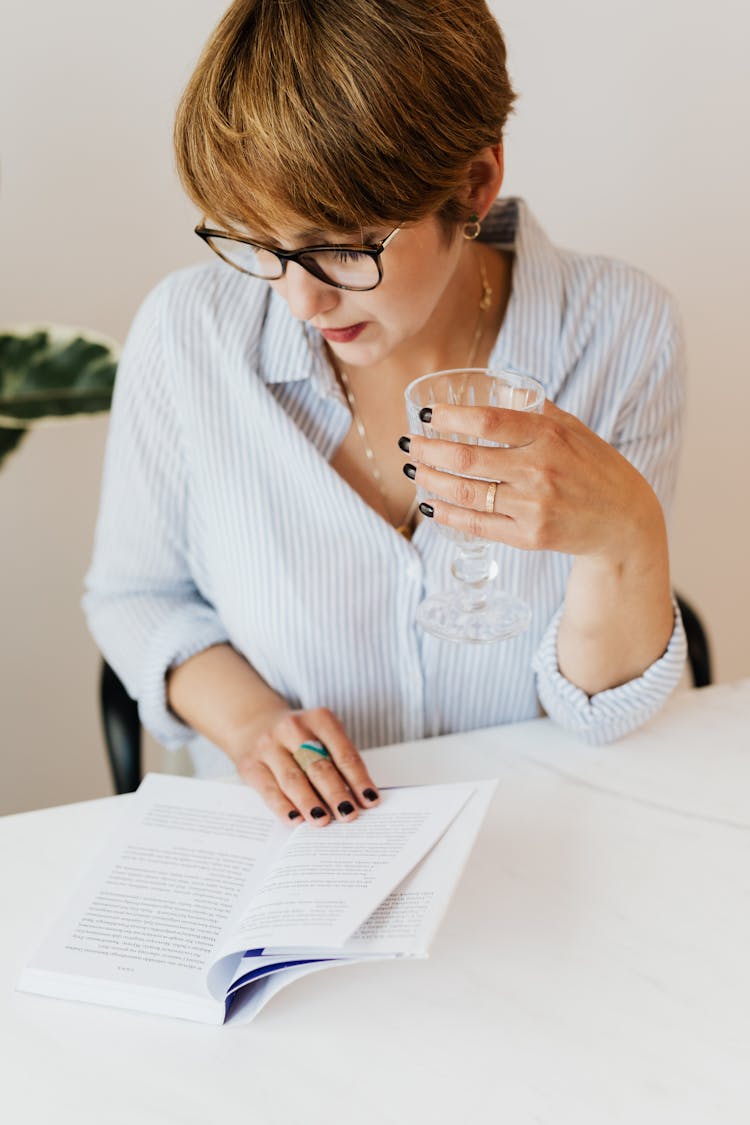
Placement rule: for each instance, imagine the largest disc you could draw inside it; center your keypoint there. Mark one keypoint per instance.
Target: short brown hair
(348, 113)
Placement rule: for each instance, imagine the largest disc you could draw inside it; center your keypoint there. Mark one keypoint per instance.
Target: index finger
(497, 424)
(331, 732)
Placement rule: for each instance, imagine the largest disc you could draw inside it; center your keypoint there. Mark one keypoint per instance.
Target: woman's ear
(485, 178)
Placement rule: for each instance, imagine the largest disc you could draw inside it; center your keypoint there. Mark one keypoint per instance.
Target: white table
(594, 966)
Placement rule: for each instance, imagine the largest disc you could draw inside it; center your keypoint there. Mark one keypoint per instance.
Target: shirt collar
(291, 350)
(529, 337)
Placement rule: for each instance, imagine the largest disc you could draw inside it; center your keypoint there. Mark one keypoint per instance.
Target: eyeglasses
(345, 267)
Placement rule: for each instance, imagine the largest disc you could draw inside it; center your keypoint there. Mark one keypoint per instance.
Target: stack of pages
(205, 905)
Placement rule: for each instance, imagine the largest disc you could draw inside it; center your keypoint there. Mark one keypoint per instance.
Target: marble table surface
(594, 966)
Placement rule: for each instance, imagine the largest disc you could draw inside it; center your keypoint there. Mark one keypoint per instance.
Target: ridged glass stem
(472, 568)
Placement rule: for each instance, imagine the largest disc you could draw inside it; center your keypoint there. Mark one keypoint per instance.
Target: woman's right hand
(218, 693)
(336, 786)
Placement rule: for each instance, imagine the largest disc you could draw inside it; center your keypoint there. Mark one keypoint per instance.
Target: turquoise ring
(308, 753)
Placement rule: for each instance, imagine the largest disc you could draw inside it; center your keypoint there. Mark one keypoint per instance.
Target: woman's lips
(343, 335)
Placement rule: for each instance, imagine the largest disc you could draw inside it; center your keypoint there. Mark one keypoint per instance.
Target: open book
(204, 904)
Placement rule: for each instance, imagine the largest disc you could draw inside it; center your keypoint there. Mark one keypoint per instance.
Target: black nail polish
(404, 443)
(427, 510)
(293, 814)
(369, 794)
(317, 812)
(346, 808)
(425, 414)
(410, 470)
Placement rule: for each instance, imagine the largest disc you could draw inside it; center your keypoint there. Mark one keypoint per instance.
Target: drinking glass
(473, 610)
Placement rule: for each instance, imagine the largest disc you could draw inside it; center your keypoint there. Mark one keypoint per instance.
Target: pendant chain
(405, 527)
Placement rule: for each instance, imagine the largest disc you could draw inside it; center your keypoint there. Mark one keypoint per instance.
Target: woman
(250, 584)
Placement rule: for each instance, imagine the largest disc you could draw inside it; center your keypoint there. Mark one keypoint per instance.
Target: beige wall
(630, 139)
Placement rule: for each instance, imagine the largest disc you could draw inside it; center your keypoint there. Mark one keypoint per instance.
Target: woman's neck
(464, 326)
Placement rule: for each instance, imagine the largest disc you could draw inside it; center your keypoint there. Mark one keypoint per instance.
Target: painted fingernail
(317, 812)
(425, 414)
(346, 808)
(293, 814)
(427, 510)
(404, 443)
(369, 794)
(410, 470)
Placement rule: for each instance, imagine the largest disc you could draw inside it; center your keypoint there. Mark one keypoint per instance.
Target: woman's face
(420, 271)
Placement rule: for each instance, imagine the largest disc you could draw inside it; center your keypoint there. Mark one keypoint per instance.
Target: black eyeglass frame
(372, 250)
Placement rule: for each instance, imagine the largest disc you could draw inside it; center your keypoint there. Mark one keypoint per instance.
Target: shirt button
(413, 570)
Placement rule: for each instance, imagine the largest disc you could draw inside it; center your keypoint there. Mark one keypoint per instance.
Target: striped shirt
(222, 520)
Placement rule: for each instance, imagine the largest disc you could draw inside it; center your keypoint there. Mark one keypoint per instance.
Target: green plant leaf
(10, 440)
(54, 372)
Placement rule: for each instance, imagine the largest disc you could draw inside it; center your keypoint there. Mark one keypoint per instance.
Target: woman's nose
(306, 296)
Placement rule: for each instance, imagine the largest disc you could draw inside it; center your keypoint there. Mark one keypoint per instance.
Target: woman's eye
(345, 256)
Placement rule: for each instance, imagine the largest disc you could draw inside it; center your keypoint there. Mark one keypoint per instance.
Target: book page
(248, 1001)
(327, 881)
(150, 914)
(405, 923)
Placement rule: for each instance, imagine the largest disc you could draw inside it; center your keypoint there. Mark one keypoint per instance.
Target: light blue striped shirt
(222, 519)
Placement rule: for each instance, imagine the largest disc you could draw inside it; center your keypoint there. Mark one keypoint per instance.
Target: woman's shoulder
(585, 281)
(610, 284)
(214, 302)
(590, 324)
(197, 323)
(573, 287)
(620, 314)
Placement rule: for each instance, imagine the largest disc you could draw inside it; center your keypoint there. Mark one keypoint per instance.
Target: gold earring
(472, 227)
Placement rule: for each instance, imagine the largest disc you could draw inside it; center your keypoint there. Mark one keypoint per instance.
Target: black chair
(122, 731)
(699, 653)
(122, 727)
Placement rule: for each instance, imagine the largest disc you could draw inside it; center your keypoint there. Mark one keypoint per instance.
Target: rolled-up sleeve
(648, 433)
(610, 714)
(141, 602)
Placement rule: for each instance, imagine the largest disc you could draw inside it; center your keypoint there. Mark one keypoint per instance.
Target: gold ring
(308, 753)
(489, 503)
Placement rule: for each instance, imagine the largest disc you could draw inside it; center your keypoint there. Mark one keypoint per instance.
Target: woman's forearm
(220, 695)
(618, 616)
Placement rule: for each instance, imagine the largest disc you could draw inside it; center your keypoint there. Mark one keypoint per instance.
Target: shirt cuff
(178, 638)
(609, 714)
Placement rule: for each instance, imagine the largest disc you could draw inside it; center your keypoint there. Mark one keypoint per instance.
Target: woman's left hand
(560, 487)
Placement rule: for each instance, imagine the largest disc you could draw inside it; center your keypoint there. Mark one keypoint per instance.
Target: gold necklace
(484, 303)
(406, 528)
